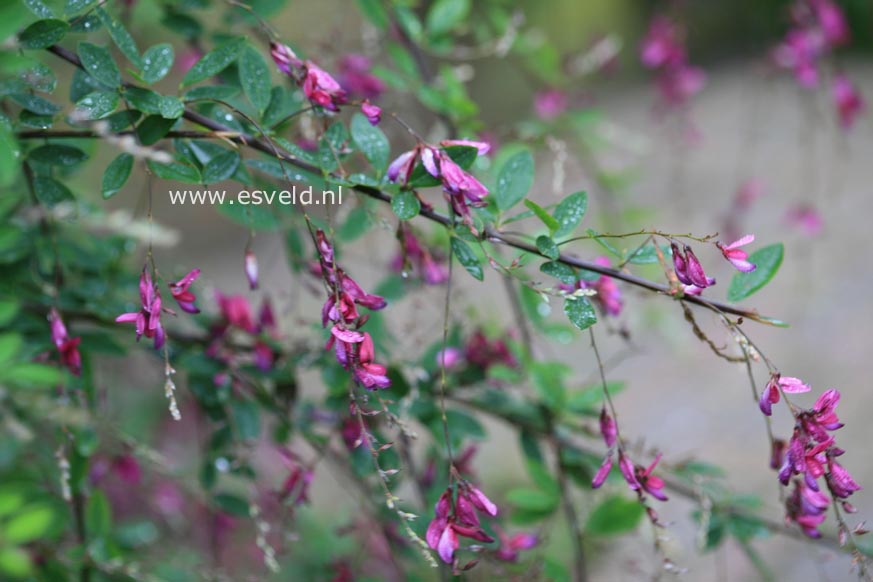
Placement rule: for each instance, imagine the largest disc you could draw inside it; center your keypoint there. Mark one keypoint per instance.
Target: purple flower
(806, 507)
(849, 102)
(450, 357)
(650, 483)
(608, 428)
(458, 519)
(787, 384)
(832, 22)
(603, 471)
(688, 269)
(550, 104)
(321, 88)
(372, 112)
(284, 58)
(67, 347)
(179, 291)
(662, 44)
(738, 257)
(148, 318)
(807, 218)
(510, 546)
(628, 471)
(356, 76)
(483, 147)
(433, 271)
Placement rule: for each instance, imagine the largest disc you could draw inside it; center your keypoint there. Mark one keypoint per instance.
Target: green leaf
(615, 515)
(35, 103)
(221, 167)
(406, 205)
(98, 104)
(371, 141)
(15, 562)
(580, 312)
(375, 13)
(98, 62)
(98, 515)
(153, 128)
(547, 247)
(58, 155)
(10, 153)
(514, 180)
(156, 63)
(120, 36)
(43, 33)
(10, 345)
(39, 8)
(221, 92)
(171, 107)
(176, 171)
(31, 375)
(213, 62)
(445, 15)
(144, 100)
(8, 310)
(246, 419)
(569, 213)
(541, 213)
(533, 500)
(560, 271)
(51, 192)
(75, 6)
(768, 260)
(116, 174)
(254, 76)
(31, 523)
(232, 504)
(467, 258)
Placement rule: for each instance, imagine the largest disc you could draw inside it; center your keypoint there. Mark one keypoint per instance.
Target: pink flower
(458, 519)
(628, 471)
(285, 58)
(736, 256)
(840, 482)
(484, 353)
(179, 291)
(433, 271)
(787, 384)
(251, 268)
(295, 487)
(372, 112)
(806, 507)
(679, 84)
(550, 104)
(602, 472)
(236, 311)
(450, 358)
(662, 44)
(355, 75)
(510, 546)
(688, 269)
(649, 482)
(832, 22)
(401, 168)
(849, 102)
(67, 347)
(148, 318)
(608, 428)
(127, 468)
(483, 147)
(322, 89)
(369, 374)
(807, 218)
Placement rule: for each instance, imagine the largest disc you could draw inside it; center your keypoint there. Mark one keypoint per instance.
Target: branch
(490, 234)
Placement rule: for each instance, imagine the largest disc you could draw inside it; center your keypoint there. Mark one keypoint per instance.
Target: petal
(749, 238)
(447, 545)
(602, 472)
(793, 385)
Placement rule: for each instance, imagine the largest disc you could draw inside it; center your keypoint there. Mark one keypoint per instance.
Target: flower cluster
(484, 353)
(180, 292)
(354, 349)
(67, 347)
(458, 518)
(608, 297)
(236, 313)
(819, 26)
(319, 86)
(640, 479)
(663, 50)
(431, 270)
(690, 272)
(461, 188)
(810, 455)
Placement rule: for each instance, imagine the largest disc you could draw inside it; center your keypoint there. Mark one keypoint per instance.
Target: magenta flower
(849, 102)
(236, 311)
(322, 89)
(602, 472)
(550, 104)
(67, 347)
(832, 22)
(679, 84)
(840, 482)
(807, 218)
(688, 269)
(295, 487)
(510, 546)
(608, 428)
(806, 507)
(787, 384)
(662, 44)
(484, 353)
(401, 168)
(127, 468)
(372, 112)
(369, 374)
(184, 297)
(736, 256)
(483, 147)
(450, 358)
(452, 520)
(650, 483)
(285, 58)
(433, 271)
(628, 471)
(356, 76)
(148, 318)
(251, 268)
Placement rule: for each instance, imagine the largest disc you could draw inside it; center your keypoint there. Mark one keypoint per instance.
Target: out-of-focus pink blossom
(356, 76)
(148, 318)
(251, 269)
(373, 113)
(67, 347)
(450, 358)
(848, 101)
(807, 218)
(510, 546)
(663, 44)
(433, 270)
(550, 104)
(484, 353)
